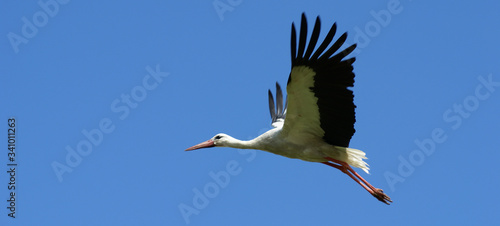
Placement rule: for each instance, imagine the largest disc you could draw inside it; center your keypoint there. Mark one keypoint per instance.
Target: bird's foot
(381, 196)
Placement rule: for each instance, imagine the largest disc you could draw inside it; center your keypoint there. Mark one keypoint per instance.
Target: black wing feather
(314, 39)
(334, 47)
(293, 43)
(325, 43)
(302, 35)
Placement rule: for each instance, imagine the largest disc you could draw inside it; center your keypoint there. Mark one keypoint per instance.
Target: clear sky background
(114, 93)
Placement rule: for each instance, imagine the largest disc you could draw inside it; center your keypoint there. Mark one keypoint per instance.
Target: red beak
(206, 144)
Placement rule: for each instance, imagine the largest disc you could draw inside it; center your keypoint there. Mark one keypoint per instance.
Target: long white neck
(242, 144)
(261, 142)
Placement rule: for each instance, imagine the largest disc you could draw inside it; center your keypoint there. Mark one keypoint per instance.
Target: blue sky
(110, 95)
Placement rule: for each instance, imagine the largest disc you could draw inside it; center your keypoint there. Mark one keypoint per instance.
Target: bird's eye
(218, 137)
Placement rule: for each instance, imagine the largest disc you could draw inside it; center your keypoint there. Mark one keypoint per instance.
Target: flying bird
(316, 122)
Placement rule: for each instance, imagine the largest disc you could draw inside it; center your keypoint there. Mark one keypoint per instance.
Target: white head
(219, 140)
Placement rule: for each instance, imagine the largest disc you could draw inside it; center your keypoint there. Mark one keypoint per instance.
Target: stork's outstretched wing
(320, 103)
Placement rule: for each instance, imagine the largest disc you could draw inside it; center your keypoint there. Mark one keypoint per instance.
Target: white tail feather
(355, 158)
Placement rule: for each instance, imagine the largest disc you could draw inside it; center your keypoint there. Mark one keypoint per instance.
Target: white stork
(317, 121)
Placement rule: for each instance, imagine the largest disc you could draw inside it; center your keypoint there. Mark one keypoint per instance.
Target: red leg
(345, 168)
(348, 167)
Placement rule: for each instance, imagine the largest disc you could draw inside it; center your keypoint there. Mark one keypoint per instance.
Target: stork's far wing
(320, 103)
(278, 113)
